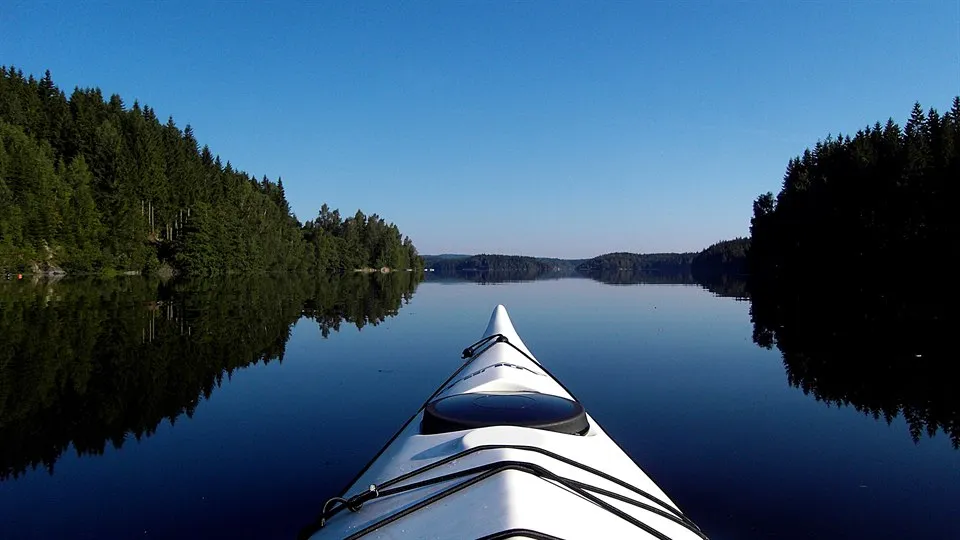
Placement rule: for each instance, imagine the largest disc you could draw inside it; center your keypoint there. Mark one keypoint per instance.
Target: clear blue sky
(543, 128)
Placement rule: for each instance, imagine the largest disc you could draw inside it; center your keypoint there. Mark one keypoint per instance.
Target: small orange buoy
(19, 276)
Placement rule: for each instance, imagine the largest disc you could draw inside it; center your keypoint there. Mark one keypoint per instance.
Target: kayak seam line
(479, 371)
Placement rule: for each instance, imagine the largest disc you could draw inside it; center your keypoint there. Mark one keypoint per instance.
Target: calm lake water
(132, 409)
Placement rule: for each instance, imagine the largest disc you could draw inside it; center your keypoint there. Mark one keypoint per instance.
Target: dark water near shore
(130, 408)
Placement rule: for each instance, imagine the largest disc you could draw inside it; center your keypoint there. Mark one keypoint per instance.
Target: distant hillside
(722, 268)
(666, 263)
(721, 260)
(489, 263)
(562, 265)
(429, 261)
(726, 257)
(552, 261)
(445, 256)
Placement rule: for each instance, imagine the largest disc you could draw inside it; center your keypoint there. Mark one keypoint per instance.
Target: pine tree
(87, 183)
(82, 226)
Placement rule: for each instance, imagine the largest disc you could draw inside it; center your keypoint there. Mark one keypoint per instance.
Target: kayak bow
(502, 450)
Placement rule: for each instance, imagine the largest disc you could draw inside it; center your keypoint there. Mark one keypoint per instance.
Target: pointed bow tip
(499, 322)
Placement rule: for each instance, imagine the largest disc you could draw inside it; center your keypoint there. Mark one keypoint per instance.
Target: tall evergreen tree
(81, 222)
(88, 184)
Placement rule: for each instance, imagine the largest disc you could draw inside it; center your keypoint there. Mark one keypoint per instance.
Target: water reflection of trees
(500, 276)
(623, 277)
(357, 300)
(90, 363)
(638, 277)
(725, 285)
(879, 346)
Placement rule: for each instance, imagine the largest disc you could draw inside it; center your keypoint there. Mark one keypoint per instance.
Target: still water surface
(671, 371)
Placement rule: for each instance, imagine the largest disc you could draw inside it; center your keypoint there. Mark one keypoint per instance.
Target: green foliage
(668, 263)
(87, 184)
(33, 196)
(137, 351)
(728, 257)
(82, 230)
(625, 268)
(491, 263)
(335, 244)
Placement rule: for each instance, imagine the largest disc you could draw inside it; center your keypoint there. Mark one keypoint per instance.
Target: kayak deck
(502, 481)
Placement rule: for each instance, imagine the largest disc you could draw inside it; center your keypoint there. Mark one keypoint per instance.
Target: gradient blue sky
(542, 128)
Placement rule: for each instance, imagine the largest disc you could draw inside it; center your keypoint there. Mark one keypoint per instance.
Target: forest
(875, 202)
(727, 257)
(490, 263)
(90, 185)
(840, 266)
(664, 263)
(140, 351)
(837, 270)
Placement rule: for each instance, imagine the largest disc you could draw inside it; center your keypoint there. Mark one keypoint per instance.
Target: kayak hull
(511, 502)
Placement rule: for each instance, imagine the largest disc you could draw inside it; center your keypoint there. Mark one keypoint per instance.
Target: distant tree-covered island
(88, 184)
(638, 262)
(489, 263)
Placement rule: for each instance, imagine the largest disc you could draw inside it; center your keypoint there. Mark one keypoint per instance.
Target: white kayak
(502, 450)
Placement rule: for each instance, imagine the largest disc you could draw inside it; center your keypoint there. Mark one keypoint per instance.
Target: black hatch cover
(527, 409)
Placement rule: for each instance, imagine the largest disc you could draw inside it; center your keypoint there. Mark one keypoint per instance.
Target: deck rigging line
(335, 505)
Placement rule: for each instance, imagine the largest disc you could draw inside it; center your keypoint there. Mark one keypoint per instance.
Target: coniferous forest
(727, 257)
(516, 264)
(866, 214)
(841, 266)
(89, 184)
(876, 202)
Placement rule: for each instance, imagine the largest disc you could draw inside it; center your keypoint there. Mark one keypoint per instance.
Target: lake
(132, 408)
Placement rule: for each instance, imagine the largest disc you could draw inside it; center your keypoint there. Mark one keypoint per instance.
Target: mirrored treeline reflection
(614, 277)
(877, 346)
(91, 362)
(629, 277)
(719, 284)
(499, 276)
(882, 347)
(726, 285)
(484, 277)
